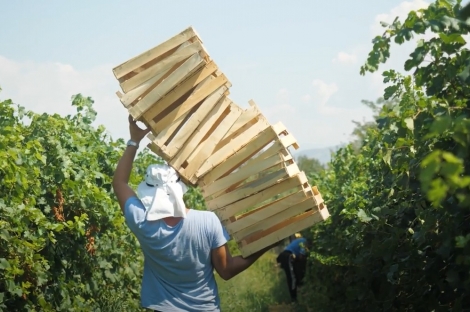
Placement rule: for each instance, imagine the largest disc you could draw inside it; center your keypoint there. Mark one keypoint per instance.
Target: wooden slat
(251, 149)
(198, 95)
(265, 224)
(315, 190)
(243, 173)
(276, 227)
(130, 98)
(189, 127)
(204, 150)
(232, 147)
(235, 160)
(177, 93)
(318, 199)
(200, 132)
(176, 127)
(134, 95)
(253, 187)
(143, 58)
(259, 119)
(253, 162)
(253, 216)
(283, 230)
(248, 115)
(243, 183)
(186, 69)
(289, 184)
(182, 54)
(153, 147)
(274, 149)
(141, 69)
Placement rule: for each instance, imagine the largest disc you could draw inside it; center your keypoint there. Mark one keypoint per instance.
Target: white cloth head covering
(162, 192)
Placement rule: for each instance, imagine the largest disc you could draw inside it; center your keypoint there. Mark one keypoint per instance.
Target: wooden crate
(260, 194)
(241, 162)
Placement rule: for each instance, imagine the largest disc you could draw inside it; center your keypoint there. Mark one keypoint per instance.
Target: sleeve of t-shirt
(302, 250)
(220, 235)
(134, 213)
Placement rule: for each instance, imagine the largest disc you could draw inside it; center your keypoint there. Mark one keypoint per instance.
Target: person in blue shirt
(293, 260)
(181, 246)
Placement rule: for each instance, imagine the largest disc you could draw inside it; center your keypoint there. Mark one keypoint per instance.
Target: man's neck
(173, 221)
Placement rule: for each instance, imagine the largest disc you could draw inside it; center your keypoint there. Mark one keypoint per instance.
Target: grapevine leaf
(363, 216)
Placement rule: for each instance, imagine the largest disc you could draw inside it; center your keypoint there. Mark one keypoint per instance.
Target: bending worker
(181, 246)
(293, 261)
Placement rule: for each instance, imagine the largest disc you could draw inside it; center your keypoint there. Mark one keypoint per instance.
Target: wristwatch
(132, 143)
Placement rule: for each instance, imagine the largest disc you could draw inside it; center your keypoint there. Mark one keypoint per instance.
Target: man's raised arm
(123, 170)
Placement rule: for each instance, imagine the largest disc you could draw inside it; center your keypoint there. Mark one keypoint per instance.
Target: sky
(298, 60)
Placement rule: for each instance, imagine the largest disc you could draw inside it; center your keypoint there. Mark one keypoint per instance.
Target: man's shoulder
(134, 212)
(134, 201)
(203, 216)
(300, 242)
(295, 245)
(208, 218)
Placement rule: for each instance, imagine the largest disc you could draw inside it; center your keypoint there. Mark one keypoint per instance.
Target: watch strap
(132, 143)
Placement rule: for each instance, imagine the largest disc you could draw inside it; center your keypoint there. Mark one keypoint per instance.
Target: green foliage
(194, 198)
(360, 132)
(309, 165)
(63, 242)
(399, 235)
(261, 285)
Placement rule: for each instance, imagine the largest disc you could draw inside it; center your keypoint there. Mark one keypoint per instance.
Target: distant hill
(322, 154)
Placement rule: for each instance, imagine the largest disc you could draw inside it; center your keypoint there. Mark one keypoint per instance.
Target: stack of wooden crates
(241, 163)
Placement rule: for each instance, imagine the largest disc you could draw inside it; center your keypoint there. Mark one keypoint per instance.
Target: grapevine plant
(399, 235)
